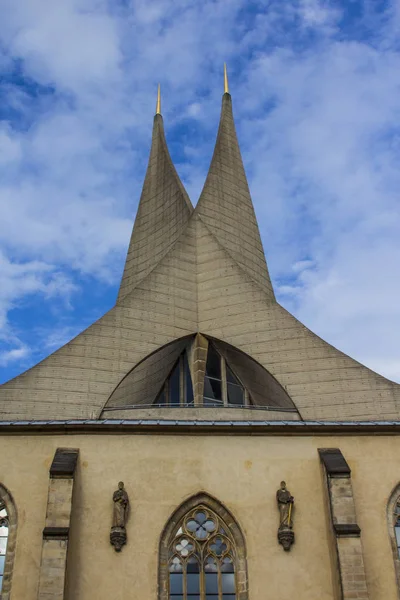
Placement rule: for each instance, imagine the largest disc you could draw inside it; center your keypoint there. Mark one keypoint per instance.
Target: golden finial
(226, 86)
(158, 106)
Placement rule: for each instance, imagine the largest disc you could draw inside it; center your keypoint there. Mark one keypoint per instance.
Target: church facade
(198, 442)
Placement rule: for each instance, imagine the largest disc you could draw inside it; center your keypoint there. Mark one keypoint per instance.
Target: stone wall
(162, 471)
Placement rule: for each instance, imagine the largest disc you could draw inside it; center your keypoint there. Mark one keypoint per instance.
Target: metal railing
(202, 406)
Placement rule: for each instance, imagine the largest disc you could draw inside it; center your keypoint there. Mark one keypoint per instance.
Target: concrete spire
(163, 212)
(225, 205)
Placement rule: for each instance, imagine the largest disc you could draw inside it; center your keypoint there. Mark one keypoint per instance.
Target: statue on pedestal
(118, 536)
(285, 504)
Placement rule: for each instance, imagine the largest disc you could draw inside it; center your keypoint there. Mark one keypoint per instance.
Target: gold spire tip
(158, 106)
(226, 86)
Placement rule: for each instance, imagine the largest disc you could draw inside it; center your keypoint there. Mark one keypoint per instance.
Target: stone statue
(118, 535)
(285, 504)
(121, 506)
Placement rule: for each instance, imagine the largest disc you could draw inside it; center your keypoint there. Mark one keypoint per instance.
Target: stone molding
(64, 463)
(206, 426)
(53, 565)
(349, 562)
(6, 497)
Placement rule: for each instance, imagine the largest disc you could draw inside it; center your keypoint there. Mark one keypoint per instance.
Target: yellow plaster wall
(162, 471)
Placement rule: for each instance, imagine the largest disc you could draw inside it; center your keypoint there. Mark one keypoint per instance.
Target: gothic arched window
(8, 531)
(397, 527)
(4, 523)
(393, 515)
(202, 554)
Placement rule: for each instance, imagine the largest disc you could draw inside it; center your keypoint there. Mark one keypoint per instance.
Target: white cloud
(19, 280)
(17, 354)
(317, 122)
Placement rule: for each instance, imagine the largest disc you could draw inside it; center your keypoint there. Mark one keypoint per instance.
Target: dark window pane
(229, 597)
(195, 597)
(192, 566)
(211, 583)
(397, 531)
(193, 583)
(228, 583)
(188, 381)
(174, 386)
(175, 583)
(213, 366)
(212, 389)
(235, 394)
(2, 560)
(230, 377)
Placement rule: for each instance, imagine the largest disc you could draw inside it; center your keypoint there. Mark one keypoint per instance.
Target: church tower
(151, 457)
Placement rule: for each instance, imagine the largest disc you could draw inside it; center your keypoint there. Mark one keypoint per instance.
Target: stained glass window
(3, 540)
(397, 527)
(202, 558)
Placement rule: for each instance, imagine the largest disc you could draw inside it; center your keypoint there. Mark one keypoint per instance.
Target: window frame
(234, 534)
(393, 517)
(182, 386)
(224, 383)
(7, 500)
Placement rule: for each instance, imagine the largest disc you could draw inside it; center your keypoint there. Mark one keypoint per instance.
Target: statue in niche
(285, 504)
(118, 535)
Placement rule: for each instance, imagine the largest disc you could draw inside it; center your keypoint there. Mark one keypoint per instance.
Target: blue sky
(316, 92)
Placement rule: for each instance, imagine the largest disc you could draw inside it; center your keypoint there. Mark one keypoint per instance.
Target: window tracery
(397, 526)
(8, 536)
(202, 558)
(202, 554)
(393, 519)
(4, 525)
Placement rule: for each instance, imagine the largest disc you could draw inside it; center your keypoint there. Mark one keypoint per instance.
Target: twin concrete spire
(225, 207)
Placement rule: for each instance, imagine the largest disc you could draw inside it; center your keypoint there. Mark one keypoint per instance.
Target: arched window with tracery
(8, 532)
(202, 554)
(393, 516)
(4, 525)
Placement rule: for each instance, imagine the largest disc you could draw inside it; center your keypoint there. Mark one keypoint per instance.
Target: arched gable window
(202, 554)
(8, 533)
